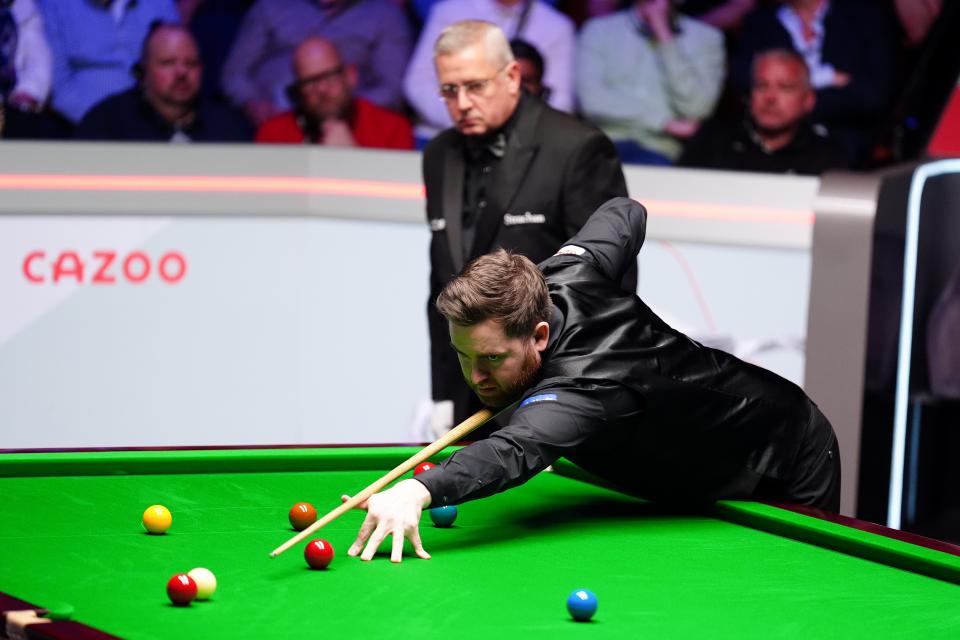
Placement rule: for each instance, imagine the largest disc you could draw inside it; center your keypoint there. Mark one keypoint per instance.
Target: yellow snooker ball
(206, 582)
(157, 519)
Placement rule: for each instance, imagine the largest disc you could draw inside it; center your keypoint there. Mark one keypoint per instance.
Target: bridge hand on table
(396, 512)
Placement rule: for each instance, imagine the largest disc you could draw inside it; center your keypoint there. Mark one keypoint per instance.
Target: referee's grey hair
(466, 33)
(783, 55)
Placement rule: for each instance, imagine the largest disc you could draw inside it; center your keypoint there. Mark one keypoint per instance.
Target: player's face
(780, 97)
(172, 68)
(480, 97)
(497, 367)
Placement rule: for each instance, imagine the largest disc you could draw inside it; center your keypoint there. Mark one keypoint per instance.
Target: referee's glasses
(474, 88)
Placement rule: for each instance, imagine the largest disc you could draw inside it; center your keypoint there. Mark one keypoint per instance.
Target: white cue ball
(206, 582)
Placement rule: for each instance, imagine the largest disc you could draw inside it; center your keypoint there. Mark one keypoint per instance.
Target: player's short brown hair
(501, 286)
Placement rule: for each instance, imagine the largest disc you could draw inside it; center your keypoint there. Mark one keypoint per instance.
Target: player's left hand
(396, 512)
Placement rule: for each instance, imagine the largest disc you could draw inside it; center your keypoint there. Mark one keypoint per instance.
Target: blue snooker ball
(582, 604)
(443, 516)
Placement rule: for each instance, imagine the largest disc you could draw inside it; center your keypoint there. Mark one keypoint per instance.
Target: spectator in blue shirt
(25, 73)
(94, 44)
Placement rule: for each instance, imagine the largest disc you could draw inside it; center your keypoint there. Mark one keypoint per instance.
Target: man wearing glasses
(327, 112)
(512, 172)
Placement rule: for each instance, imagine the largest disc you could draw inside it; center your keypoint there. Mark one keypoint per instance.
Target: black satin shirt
(630, 399)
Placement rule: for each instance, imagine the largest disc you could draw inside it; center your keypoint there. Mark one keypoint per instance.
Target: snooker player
(586, 371)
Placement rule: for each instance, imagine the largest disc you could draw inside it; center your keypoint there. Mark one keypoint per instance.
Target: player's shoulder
(577, 398)
(558, 397)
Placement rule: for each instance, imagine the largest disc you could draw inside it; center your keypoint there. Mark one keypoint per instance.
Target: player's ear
(541, 336)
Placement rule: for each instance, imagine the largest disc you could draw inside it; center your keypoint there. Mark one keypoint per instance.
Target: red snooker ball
(302, 515)
(423, 466)
(319, 554)
(181, 589)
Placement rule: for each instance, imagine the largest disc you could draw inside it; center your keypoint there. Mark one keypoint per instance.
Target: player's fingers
(418, 544)
(362, 505)
(369, 524)
(396, 555)
(374, 542)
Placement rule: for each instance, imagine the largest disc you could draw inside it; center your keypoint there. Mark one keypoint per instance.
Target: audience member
(531, 68)
(165, 104)
(850, 50)
(372, 35)
(94, 43)
(25, 70)
(647, 76)
(513, 173)
(775, 135)
(25, 62)
(541, 25)
(326, 110)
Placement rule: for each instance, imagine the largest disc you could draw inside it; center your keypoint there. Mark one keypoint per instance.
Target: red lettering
(173, 256)
(137, 267)
(106, 259)
(128, 263)
(28, 263)
(68, 264)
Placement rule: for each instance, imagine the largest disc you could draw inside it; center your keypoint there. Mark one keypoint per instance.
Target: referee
(586, 371)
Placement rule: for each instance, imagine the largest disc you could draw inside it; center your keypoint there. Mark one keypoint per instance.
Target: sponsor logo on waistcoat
(510, 220)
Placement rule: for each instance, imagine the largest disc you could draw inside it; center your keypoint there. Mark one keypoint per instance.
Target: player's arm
(537, 435)
(612, 237)
(547, 425)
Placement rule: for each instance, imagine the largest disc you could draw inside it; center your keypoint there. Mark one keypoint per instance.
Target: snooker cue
(444, 441)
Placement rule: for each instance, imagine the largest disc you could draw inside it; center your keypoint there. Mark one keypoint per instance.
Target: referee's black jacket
(626, 397)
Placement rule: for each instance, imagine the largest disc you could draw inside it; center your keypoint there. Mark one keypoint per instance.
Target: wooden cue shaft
(444, 441)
